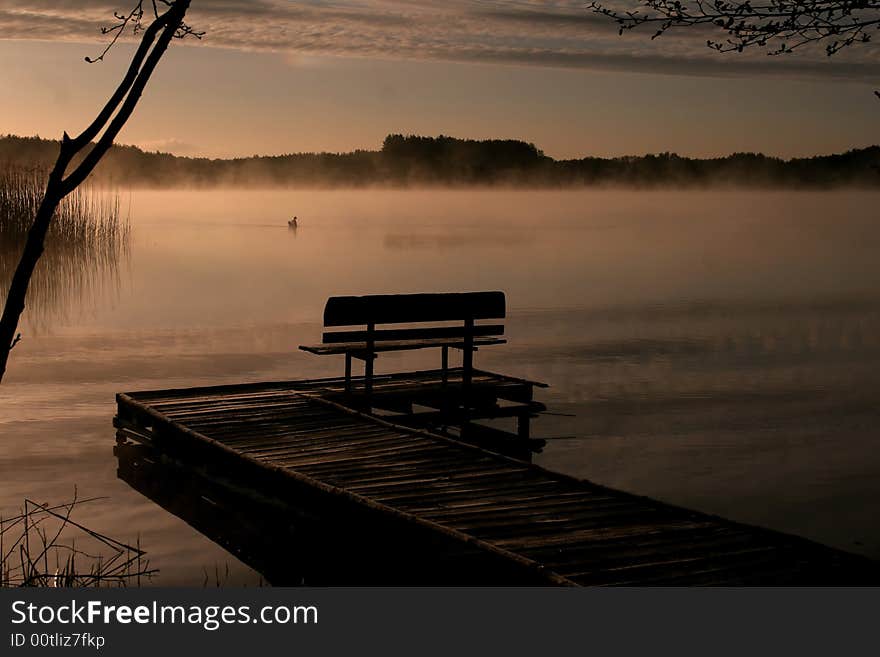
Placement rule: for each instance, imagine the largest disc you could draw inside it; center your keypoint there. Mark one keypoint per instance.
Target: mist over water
(716, 349)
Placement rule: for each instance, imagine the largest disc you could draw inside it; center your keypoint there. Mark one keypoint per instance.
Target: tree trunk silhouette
(154, 42)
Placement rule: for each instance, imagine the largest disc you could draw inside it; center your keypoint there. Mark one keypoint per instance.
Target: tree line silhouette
(414, 160)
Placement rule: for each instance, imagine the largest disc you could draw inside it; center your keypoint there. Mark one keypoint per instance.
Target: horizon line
(464, 139)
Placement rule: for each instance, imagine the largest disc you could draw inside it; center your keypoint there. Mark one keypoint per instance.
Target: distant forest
(411, 160)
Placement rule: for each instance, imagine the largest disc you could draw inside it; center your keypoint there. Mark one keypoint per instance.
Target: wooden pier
(424, 506)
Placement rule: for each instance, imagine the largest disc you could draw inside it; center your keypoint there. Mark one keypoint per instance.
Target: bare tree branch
(782, 26)
(134, 21)
(165, 26)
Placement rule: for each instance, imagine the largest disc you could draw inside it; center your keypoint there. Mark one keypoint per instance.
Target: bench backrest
(378, 309)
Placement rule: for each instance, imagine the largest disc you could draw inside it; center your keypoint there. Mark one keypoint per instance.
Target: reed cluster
(87, 240)
(43, 546)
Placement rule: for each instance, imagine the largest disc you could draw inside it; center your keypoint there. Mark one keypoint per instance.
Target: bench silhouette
(426, 309)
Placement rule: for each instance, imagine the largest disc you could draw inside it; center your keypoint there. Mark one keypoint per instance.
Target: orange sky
(337, 77)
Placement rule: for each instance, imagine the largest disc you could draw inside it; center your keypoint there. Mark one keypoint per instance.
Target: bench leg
(368, 363)
(368, 375)
(467, 362)
(522, 426)
(347, 373)
(444, 360)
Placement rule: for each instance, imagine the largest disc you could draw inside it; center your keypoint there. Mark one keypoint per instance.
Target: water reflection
(719, 350)
(455, 240)
(86, 250)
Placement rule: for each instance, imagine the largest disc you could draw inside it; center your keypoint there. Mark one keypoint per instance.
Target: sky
(273, 77)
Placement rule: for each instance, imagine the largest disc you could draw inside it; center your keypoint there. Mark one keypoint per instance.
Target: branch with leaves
(782, 26)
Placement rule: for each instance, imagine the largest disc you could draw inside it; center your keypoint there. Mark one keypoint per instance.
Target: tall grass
(87, 241)
(43, 546)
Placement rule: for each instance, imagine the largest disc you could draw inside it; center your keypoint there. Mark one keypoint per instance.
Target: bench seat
(432, 313)
(356, 348)
(362, 327)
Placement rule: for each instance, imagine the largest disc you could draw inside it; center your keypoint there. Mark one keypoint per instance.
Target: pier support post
(368, 362)
(467, 365)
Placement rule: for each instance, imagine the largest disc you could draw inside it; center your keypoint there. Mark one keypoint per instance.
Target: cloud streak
(532, 33)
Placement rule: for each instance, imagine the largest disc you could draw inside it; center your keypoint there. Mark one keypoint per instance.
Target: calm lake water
(715, 349)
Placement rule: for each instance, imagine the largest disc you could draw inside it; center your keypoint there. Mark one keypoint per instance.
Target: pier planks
(547, 527)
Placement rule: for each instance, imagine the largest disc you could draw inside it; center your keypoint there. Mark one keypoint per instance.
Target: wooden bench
(372, 311)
